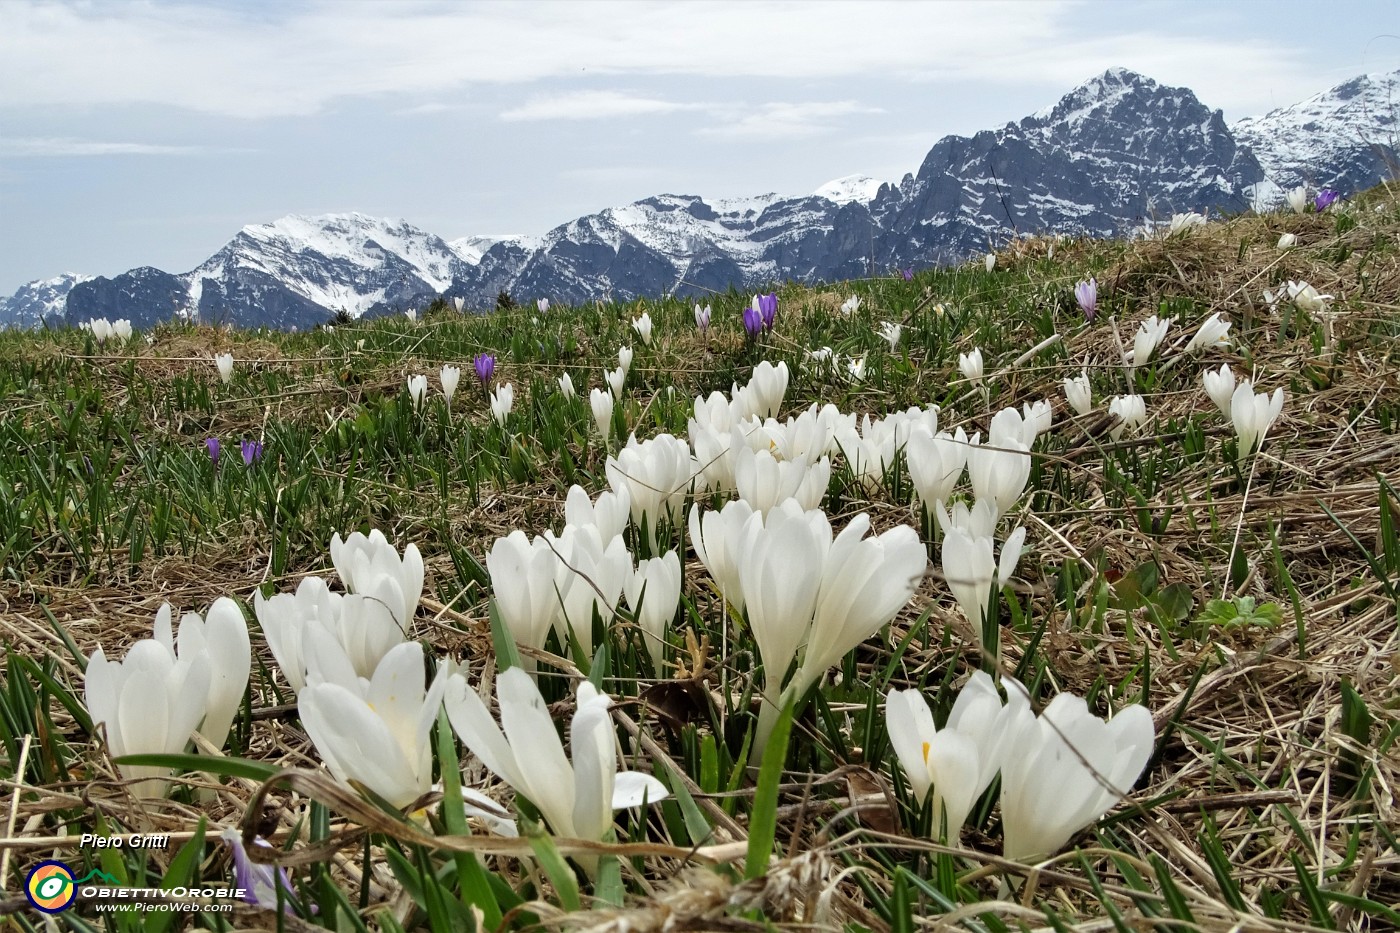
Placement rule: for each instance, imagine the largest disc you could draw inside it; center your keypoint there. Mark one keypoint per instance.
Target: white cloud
(64, 146)
(592, 105)
(787, 120)
(298, 58)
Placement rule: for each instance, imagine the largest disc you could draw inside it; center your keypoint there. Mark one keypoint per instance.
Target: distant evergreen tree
(504, 302)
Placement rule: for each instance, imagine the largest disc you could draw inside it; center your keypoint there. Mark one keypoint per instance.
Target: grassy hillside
(1249, 603)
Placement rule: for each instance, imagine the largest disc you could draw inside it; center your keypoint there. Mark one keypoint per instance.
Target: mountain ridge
(1114, 152)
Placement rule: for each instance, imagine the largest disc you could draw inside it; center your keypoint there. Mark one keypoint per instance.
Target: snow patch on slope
(860, 188)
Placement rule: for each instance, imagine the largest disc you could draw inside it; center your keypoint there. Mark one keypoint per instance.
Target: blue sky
(147, 133)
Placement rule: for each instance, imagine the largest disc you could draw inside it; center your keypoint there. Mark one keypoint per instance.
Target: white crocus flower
(363, 626)
(522, 572)
(417, 389)
(458, 304)
(1078, 393)
(377, 733)
(101, 329)
(1213, 332)
(624, 358)
(655, 587)
(1306, 298)
(999, 473)
(855, 368)
(1149, 335)
(576, 799)
(502, 401)
(642, 325)
(971, 569)
(602, 404)
(1010, 425)
(449, 376)
(1253, 415)
(222, 636)
(658, 473)
(717, 538)
(121, 329)
(285, 616)
(715, 411)
(566, 386)
(1220, 386)
(822, 359)
(588, 577)
(866, 580)
(980, 521)
(1131, 411)
(542, 305)
(957, 763)
(935, 463)
(763, 481)
(1288, 241)
(608, 514)
(990, 261)
(970, 365)
(616, 379)
(149, 703)
(851, 305)
(766, 389)
(891, 333)
(1039, 417)
(224, 362)
(1069, 769)
(411, 314)
(780, 572)
(1298, 199)
(806, 592)
(371, 567)
(1182, 224)
(810, 434)
(714, 456)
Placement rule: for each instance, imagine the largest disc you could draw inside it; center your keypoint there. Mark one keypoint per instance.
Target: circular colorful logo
(50, 887)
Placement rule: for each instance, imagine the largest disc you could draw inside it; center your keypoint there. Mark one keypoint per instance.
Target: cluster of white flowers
(103, 330)
(1060, 771)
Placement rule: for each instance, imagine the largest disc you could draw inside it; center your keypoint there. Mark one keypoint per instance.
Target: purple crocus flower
(908, 274)
(768, 309)
(252, 452)
(485, 366)
(212, 445)
(753, 321)
(1325, 199)
(1088, 295)
(259, 881)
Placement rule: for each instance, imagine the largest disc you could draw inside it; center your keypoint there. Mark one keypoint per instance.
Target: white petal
(631, 788)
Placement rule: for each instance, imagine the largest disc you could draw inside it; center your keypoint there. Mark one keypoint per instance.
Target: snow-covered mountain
(861, 188)
(340, 262)
(40, 302)
(472, 248)
(1113, 152)
(1344, 138)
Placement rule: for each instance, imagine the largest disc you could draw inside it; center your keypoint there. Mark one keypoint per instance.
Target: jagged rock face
(144, 296)
(1116, 151)
(1346, 138)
